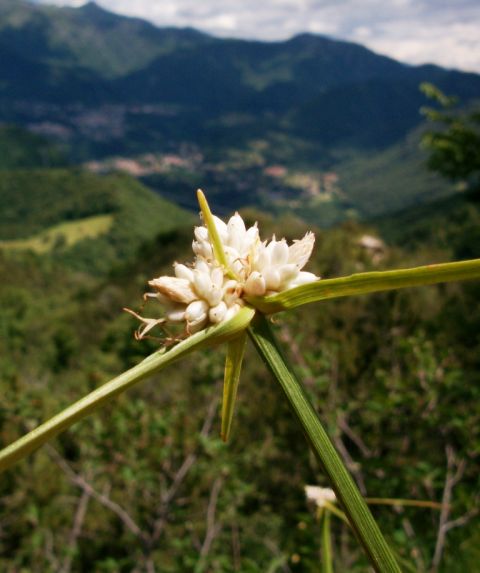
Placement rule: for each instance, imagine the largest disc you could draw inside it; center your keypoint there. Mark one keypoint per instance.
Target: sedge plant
(226, 296)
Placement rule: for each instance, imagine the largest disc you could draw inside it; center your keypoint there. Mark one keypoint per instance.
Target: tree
(454, 144)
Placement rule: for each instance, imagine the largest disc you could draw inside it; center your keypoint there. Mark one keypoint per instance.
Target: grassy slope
(36, 203)
(63, 234)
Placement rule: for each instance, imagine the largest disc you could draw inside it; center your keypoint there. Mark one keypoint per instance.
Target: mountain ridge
(108, 85)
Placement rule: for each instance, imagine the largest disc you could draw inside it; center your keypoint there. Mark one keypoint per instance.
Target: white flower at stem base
(320, 495)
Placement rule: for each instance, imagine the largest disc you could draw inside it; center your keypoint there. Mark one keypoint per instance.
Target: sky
(444, 32)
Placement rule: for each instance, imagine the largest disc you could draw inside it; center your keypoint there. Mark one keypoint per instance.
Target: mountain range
(105, 84)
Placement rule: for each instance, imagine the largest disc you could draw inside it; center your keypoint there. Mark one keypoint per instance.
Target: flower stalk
(327, 557)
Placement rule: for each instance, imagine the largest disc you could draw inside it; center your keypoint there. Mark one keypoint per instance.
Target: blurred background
(302, 115)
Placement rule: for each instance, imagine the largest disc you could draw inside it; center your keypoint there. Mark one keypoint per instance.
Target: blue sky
(439, 31)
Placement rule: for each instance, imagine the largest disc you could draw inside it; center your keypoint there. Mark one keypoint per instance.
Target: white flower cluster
(320, 495)
(207, 293)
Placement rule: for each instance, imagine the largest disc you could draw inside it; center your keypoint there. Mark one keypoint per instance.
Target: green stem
(365, 283)
(356, 509)
(327, 563)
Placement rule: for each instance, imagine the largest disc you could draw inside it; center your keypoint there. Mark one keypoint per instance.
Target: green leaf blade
(104, 394)
(233, 366)
(366, 283)
(217, 246)
(357, 511)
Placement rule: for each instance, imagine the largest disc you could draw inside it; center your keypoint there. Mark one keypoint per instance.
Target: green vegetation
(108, 85)
(390, 180)
(91, 37)
(305, 130)
(63, 235)
(20, 149)
(88, 222)
(394, 377)
(455, 145)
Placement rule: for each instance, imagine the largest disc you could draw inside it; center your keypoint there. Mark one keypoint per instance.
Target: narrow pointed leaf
(233, 366)
(213, 233)
(104, 394)
(364, 283)
(357, 511)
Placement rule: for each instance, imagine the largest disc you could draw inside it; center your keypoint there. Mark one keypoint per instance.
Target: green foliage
(455, 143)
(399, 368)
(86, 221)
(390, 180)
(20, 149)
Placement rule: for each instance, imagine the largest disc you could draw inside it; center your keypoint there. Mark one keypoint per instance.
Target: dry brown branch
(148, 538)
(351, 464)
(213, 528)
(103, 499)
(76, 531)
(343, 424)
(455, 471)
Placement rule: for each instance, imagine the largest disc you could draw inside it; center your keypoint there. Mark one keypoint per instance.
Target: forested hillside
(120, 90)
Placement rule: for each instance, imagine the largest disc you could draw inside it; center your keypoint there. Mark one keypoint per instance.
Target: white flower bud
(302, 279)
(202, 283)
(255, 284)
(177, 290)
(263, 259)
(196, 311)
(203, 249)
(236, 232)
(251, 236)
(201, 234)
(217, 277)
(232, 311)
(221, 229)
(272, 278)
(183, 272)
(217, 313)
(177, 315)
(214, 296)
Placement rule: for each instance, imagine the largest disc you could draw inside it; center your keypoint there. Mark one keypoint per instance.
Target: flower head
(209, 290)
(320, 495)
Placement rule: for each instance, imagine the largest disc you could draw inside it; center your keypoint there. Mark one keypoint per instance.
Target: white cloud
(445, 32)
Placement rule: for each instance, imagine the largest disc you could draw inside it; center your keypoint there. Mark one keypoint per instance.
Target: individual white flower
(320, 495)
(206, 292)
